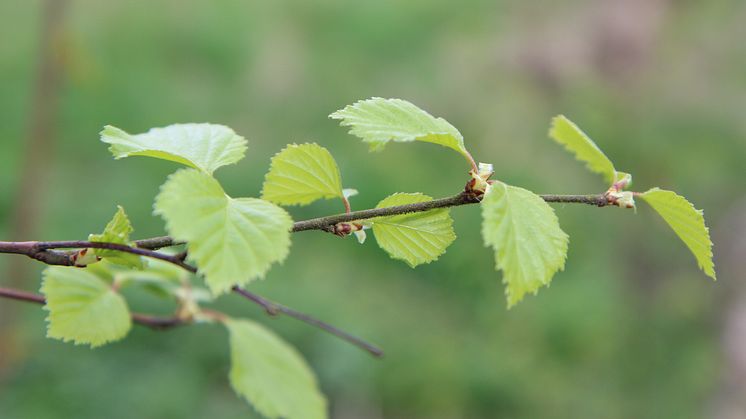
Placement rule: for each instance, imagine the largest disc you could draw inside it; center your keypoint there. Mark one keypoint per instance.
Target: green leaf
(271, 374)
(577, 142)
(83, 308)
(301, 174)
(378, 121)
(530, 247)
(203, 146)
(232, 241)
(416, 238)
(118, 230)
(687, 222)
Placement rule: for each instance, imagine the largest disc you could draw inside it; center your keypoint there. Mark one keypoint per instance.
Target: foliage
(687, 222)
(271, 374)
(83, 308)
(530, 247)
(233, 241)
(301, 174)
(202, 146)
(415, 238)
(378, 121)
(577, 142)
(118, 230)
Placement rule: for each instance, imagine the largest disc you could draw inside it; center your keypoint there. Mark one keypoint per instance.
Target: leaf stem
(471, 161)
(346, 203)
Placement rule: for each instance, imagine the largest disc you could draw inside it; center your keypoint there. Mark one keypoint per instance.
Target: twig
(45, 252)
(153, 322)
(274, 309)
(41, 251)
(156, 243)
(328, 223)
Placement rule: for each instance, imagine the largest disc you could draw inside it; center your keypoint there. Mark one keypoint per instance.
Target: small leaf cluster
(234, 241)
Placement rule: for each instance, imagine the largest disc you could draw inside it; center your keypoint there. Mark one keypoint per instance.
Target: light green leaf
(416, 238)
(203, 146)
(83, 308)
(378, 121)
(271, 374)
(232, 241)
(688, 223)
(530, 247)
(577, 142)
(118, 230)
(301, 174)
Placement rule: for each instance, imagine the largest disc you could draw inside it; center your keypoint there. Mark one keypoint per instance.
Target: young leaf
(271, 374)
(232, 241)
(301, 174)
(530, 247)
(566, 133)
(118, 230)
(83, 308)
(415, 238)
(378, 121)
(687, 222)
(203, 146)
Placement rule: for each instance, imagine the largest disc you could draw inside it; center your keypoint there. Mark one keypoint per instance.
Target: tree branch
(42, 251)
(273, 309)
(464, 198)
(45, 252)
(153, 322)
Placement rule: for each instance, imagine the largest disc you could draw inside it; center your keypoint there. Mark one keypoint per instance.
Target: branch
(41, 251)
(45, 252)
(328, 223)
(464, 198)
(153, 322)
(273, 309)
(156, 243)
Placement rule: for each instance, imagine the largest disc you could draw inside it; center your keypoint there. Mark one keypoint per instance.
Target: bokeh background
(631, 328)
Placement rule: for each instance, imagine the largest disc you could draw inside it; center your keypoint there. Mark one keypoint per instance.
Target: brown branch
(599, 200)
(153, 322)
(274, 309)
(156, 243)
(42, 252)
(328, 223)
(45, 252)
(464, 198)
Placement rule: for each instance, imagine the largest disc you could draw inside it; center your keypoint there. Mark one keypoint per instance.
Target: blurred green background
(630, 329)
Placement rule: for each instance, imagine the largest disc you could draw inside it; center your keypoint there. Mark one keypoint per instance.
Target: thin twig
(328, 223)
(274, 309)
(41, 251)
(153, 322)
(156, 243)
(599, 200)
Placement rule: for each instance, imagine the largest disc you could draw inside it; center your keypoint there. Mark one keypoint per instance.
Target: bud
(621, 199)
(479, 180)
(84, 257)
